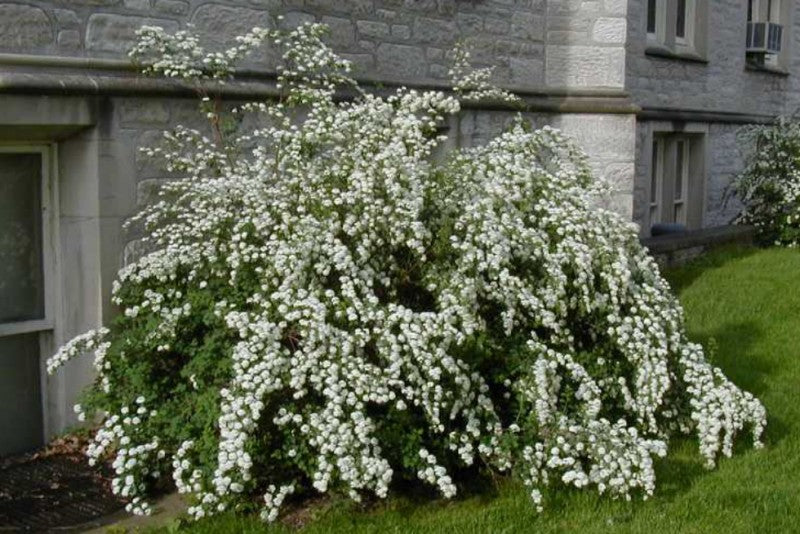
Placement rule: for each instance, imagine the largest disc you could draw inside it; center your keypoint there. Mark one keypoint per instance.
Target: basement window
(676, 179)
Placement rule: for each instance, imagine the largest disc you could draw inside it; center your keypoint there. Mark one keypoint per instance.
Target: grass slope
(744, 305)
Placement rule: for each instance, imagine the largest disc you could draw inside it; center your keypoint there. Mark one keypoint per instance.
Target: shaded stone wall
(723, 83)
(562, 43)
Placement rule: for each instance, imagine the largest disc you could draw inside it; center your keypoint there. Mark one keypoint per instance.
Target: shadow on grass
(731, 348)
(682, 277)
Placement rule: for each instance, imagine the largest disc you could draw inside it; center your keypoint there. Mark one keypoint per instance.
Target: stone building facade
(73, 115)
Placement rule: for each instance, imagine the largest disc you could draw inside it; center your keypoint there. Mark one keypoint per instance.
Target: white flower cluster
(474, 84)
(133, 463)
(91, 341)
(769, 186)
(358, 284)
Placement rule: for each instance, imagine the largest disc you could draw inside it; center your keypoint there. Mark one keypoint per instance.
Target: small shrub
(769, 185)
(332, 310)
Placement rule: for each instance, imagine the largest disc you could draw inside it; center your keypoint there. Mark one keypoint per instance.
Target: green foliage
(769, 185)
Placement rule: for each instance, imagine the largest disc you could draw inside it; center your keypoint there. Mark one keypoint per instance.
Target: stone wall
(726, 160)
(531, 42)
(723, 83)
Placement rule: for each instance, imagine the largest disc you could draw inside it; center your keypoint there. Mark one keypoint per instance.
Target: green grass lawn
(744, 302)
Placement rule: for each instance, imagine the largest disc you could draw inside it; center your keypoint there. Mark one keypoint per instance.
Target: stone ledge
(676, 249)
(52, 83)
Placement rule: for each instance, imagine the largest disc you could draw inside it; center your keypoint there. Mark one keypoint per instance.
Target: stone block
(293, 19)
(361, 62)
(602, 136)
(401, 31)
(96, 3)
(609, 30)
(432, 31)
(147, 191)
(468, 22)
(436, 54)
(106, 32)
(386, 14)
(137, 5)
(497, 26)
(585, 66)
(527, 26)
(143, 111)
(372, 29)
(171, 7)
(401, 61)
(342, 32)
(217, 24)
(615, 7)
(620, 175)
(562, 37)
(146, 166)
(526, 72)
(24, 27)
(353, 7)
(66, 18)
(133, 251)
(439, 72)
(272, 4)
(69, 39)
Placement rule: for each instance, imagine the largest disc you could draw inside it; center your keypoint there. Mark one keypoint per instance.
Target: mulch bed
(53, 489)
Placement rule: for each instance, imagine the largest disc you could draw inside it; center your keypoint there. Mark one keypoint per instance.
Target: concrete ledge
(63, 75)
(676, 249)
(648, 113)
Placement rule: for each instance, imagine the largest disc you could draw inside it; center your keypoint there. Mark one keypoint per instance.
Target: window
(767, 21)
(672, 27)
(676, 179)
(656, 172)
(681, 178)
(25, 296)
(680, 21)
(651, 16)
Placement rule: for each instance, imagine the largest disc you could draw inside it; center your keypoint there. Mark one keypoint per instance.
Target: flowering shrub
(769, 185)
(332, 310)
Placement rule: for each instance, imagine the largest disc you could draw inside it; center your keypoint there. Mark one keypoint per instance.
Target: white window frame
(766, 11)
(49, 199)
(656, 178)
(687, 41)
(659, 36)
(681, 170)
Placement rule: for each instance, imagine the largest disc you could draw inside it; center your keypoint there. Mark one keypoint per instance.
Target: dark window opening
(651, 16)
(680, 22)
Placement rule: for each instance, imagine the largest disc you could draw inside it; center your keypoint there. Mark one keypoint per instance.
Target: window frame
(656, 178)
(49, 222)
(663, 139)
(682, 176)
(665, 42)
(689, 13)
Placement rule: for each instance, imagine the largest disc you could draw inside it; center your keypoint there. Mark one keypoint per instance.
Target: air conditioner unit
(764, 37)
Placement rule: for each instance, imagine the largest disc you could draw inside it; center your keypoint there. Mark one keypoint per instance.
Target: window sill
(767, 69)
(657, 50)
